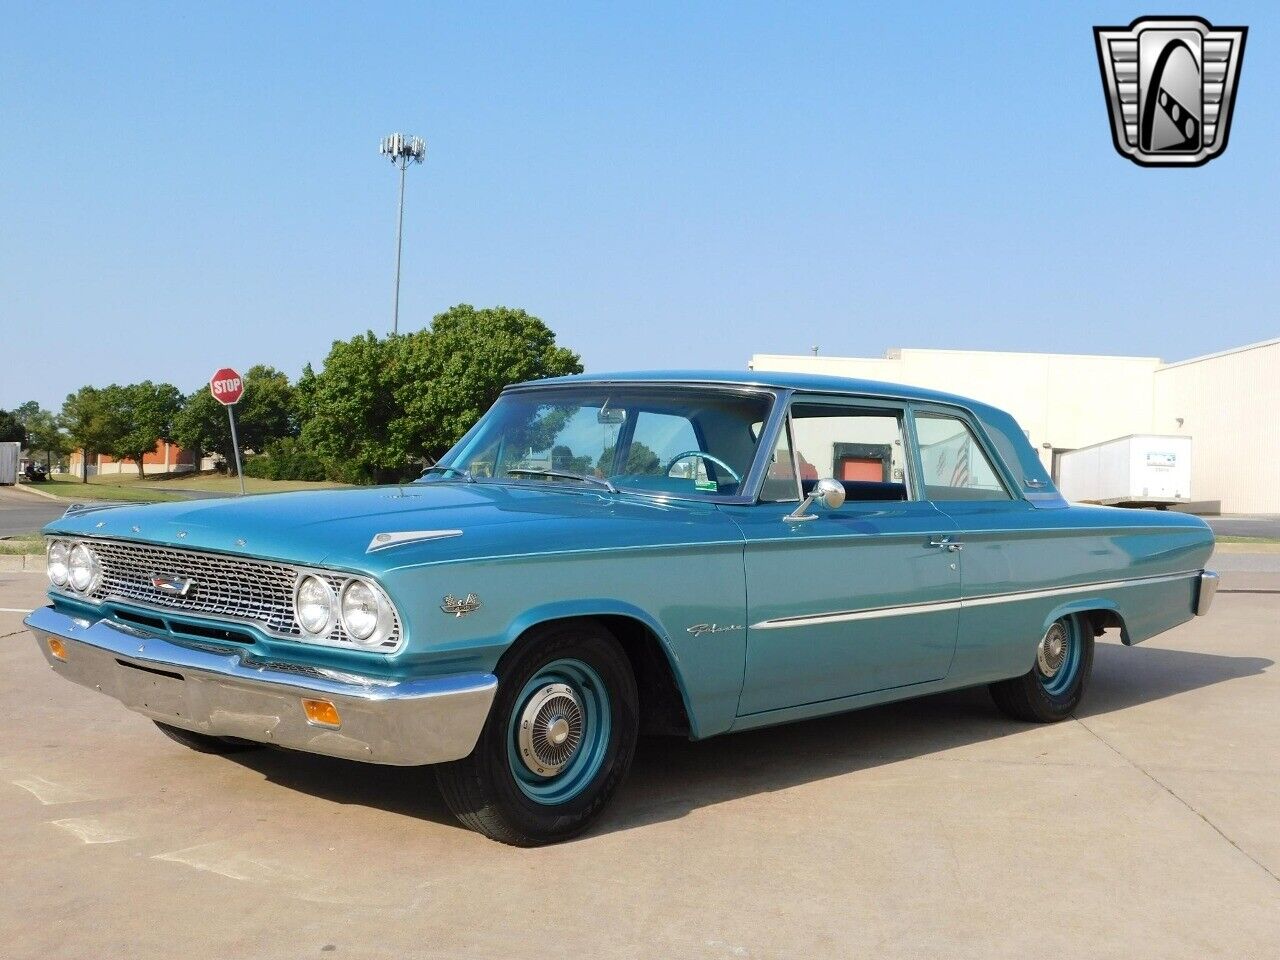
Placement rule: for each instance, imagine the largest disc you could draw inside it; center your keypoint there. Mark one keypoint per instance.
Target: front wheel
(1052, 689)
(558, 741)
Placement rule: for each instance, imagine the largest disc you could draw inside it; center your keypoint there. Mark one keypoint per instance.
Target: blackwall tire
(558, 742)
(1054, 686)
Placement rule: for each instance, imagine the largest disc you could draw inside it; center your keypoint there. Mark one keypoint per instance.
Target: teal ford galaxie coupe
(605, 556)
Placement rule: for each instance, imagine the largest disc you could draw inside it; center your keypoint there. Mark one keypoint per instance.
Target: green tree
(11, 429)
(379, 407)
(146, 412)
(469, 357)
(267, 411)
(641, 461)
(354, 407)
(43, 433)
(91, 418)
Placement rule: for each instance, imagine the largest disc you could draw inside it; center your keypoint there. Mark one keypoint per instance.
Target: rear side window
(955, 465)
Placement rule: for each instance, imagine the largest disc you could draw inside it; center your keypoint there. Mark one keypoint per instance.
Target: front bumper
(226, 693)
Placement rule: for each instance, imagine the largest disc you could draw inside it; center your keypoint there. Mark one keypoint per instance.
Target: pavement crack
(14, 634)
(1159, 783)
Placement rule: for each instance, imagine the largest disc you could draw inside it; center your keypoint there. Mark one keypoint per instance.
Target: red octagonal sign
(226, 386)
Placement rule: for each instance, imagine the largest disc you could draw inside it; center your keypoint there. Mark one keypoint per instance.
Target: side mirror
(828, 492)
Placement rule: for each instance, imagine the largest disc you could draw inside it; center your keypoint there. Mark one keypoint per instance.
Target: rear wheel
(1052, 689)
(559, 739)
(204, 743)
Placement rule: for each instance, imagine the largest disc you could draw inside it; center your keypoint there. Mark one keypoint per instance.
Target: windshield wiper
(458, 470)
(561, 474)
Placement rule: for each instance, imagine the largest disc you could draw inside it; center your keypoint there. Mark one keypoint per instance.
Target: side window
(657, 439)
(863, 448)
(955, 466)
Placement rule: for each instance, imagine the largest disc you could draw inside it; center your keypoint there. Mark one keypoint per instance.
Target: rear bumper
(1205, 592)
(225, 693)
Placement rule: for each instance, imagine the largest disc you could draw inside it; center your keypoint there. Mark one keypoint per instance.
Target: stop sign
(227, 387)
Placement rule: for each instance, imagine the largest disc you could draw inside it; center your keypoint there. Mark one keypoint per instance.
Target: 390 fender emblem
(460, 608)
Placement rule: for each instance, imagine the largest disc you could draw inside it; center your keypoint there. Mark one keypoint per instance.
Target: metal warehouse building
(1228, 403)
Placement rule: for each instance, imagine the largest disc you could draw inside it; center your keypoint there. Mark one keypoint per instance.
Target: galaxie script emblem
(460, 608)
(1170, 84)
(702, 629)
(179, 585)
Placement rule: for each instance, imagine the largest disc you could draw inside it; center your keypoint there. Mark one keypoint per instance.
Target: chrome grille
(223, 587)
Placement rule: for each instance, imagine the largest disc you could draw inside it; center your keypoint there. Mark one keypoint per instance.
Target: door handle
(942, 540)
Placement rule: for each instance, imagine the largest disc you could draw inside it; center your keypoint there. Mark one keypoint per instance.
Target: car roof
(765, 378)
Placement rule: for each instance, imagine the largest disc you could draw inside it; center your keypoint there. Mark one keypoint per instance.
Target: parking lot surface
(23, 512)
(1147, 827)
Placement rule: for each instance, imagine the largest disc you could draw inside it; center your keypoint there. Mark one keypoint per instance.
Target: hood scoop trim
(384, 541)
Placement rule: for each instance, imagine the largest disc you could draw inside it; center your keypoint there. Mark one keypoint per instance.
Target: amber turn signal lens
(58, 648)
(322, 712)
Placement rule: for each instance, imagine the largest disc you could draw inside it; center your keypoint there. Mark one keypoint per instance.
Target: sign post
(227, 388)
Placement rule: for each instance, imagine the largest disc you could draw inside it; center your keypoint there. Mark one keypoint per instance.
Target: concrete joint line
(1154, 779)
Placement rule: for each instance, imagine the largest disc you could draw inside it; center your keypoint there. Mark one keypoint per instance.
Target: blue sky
(186, 186)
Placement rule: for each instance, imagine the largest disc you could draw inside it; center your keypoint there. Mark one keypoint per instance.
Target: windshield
(671, 440)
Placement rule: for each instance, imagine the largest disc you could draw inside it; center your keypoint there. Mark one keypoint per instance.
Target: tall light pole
(402, 151)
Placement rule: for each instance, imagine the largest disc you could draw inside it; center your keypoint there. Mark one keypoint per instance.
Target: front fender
(668, 589)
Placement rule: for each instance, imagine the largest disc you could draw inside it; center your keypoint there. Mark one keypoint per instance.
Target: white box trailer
(10, 453)
(1140, 470)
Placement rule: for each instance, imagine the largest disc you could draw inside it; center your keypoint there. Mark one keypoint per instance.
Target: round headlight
(361, 610)
(82, 568)
(56, 564)
(314, 605)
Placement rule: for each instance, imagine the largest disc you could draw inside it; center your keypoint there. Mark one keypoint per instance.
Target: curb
(21, 563)
(28, 488)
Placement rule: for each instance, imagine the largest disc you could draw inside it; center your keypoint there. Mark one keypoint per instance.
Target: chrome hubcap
(1052, 652)
(550, 729)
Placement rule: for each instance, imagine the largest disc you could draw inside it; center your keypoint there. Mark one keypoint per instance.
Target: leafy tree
(267, 411)
(43, 432)
(91, 418)
(355, 410)
(641, 461)
(11, 429)
(378, 407)
(146, 412)
(469, 357)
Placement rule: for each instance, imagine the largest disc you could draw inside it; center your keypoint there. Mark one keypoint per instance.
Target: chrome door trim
(902, 610)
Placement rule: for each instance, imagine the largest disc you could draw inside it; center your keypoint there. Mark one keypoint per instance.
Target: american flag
(960, 475)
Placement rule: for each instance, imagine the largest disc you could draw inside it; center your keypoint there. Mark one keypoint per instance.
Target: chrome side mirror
(828, 492)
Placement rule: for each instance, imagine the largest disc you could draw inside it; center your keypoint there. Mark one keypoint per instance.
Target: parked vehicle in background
(1141, 470)
(10, 454)
(684, 554)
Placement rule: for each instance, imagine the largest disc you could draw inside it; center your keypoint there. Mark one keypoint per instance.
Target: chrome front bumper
(227, 694)
(1204, 595)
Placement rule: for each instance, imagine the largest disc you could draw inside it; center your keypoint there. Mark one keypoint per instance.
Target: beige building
(1228, 403)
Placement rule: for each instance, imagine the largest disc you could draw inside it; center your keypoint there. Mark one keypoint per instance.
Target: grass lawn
(129, 487)
(93, 490)
(23, 543)
(1247, 540)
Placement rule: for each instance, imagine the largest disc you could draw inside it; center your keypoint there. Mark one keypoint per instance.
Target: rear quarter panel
(1140, 564)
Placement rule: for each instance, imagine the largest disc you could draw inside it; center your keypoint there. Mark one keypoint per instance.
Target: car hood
(336, 528)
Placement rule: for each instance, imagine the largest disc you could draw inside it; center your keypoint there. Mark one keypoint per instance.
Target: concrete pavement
(21, 512)
(1148, 827)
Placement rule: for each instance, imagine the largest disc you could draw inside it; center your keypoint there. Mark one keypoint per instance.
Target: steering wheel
(701, 456)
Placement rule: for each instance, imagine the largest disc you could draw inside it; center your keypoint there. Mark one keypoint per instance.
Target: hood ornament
(460, 608)
(382, 541)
